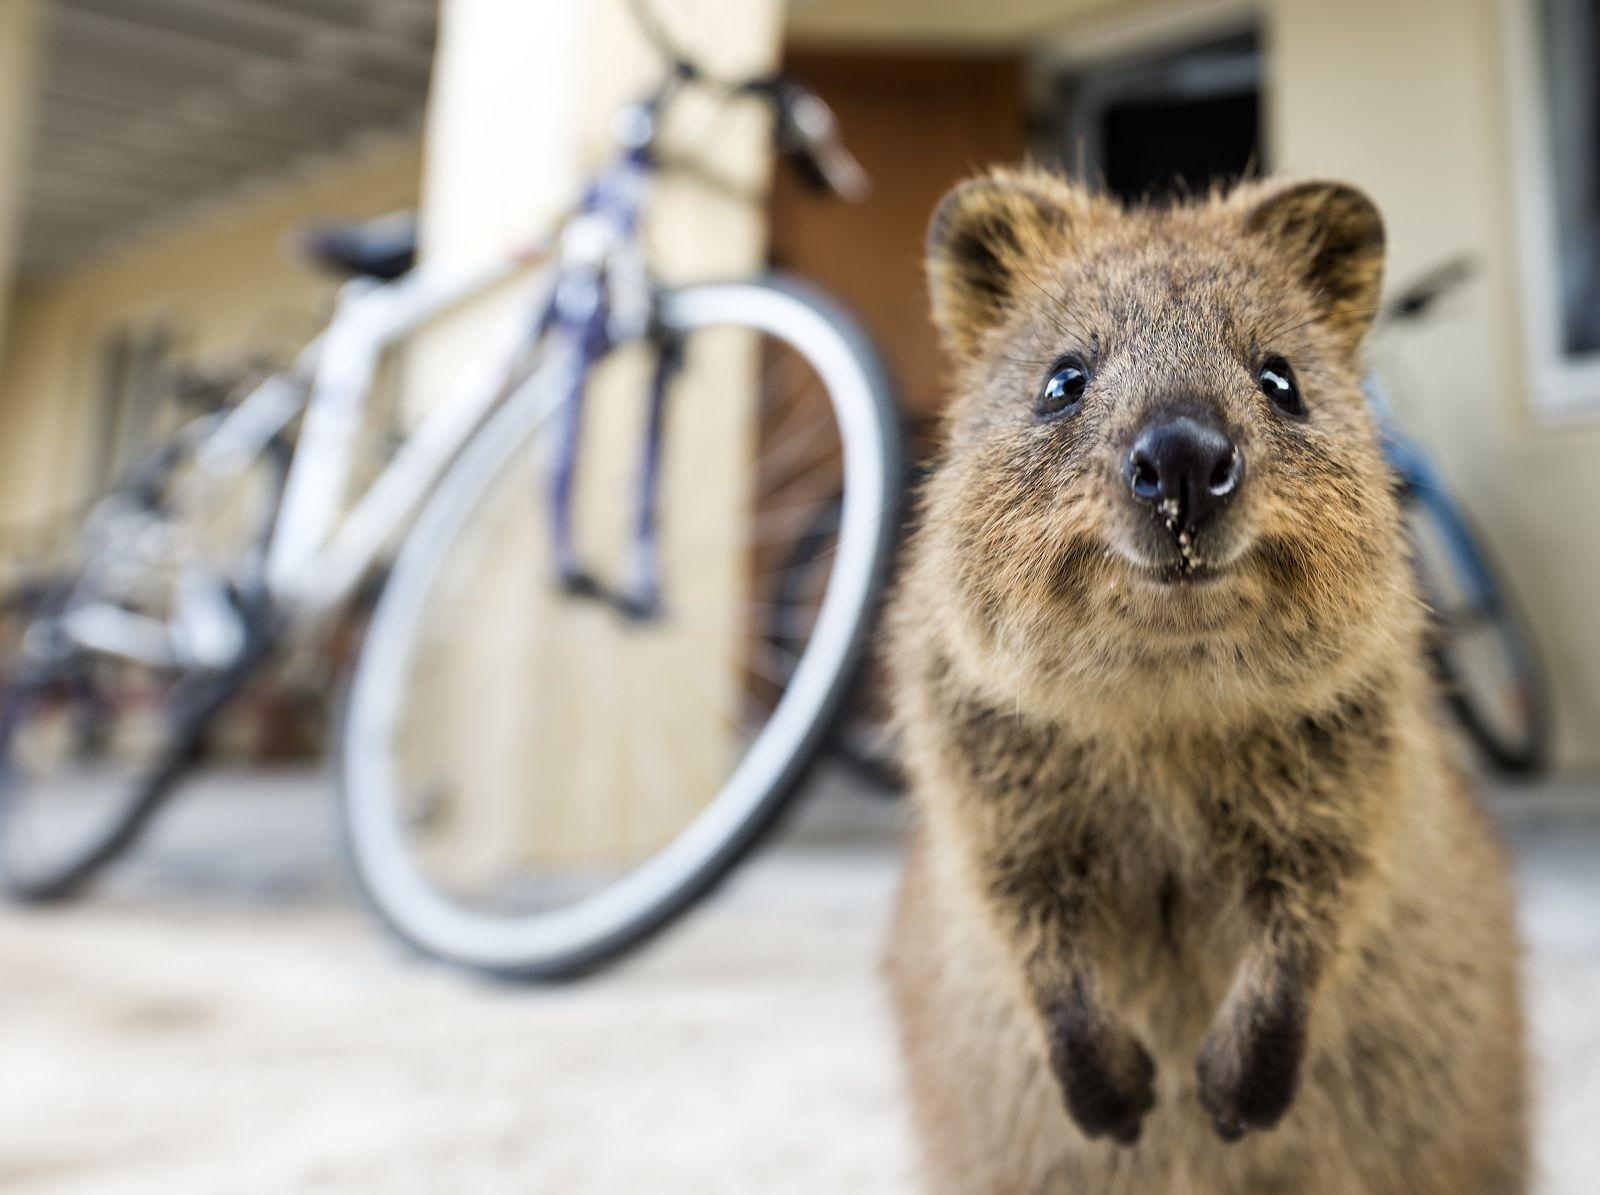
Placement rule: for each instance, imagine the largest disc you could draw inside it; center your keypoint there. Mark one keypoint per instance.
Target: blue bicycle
(1484, 653)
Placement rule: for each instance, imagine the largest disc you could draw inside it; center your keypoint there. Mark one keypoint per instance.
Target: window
(1554, 58)
(1163, 122)
(1572, 98)
(131, 371)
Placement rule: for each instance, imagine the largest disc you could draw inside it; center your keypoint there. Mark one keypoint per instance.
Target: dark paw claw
(1229, 1128)
(1108, 1084)
(1248, 1080)
(1128, 1132)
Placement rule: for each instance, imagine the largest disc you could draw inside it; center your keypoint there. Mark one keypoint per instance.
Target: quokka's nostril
(1226, 475)
(1146, 480)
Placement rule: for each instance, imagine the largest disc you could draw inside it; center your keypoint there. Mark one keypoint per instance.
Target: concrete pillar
(536, 697)
(20, 43)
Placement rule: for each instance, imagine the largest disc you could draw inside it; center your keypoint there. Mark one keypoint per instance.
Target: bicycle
(156, 635)
(1484, 653)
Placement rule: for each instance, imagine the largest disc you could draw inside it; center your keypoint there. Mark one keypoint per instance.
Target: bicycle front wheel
(536, 780)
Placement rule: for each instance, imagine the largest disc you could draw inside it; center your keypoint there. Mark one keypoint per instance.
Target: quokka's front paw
(1249, 1066)
(1107, 1078)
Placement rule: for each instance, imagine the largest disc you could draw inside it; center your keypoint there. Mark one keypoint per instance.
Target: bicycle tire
(146, 798)
(751, 801)
(196, 698)
(1522, 750)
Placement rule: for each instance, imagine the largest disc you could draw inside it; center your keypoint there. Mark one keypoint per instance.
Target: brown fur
(1195, 902)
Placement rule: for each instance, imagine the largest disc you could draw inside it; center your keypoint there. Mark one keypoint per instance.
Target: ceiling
(149, 107)
(152, 105)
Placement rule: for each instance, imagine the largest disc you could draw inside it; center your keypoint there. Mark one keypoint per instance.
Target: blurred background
(220, 1015)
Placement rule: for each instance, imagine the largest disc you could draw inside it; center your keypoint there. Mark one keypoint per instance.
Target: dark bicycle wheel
(89, 749)
(102, 707)
(1483, 651)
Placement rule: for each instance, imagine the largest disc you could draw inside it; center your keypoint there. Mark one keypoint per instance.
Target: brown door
(919, 124)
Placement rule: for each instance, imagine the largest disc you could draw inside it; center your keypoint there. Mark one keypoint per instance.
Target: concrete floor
(222, 1017)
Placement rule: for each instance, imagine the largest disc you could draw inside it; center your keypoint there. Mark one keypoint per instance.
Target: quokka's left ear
(1332, 233)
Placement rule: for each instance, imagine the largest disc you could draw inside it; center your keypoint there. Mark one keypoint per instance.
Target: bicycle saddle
(381, 249)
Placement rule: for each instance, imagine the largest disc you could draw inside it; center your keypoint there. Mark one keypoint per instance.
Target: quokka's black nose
(1184, 469)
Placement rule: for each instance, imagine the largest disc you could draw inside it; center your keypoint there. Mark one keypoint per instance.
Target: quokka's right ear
(1333, 236)
(988, 238)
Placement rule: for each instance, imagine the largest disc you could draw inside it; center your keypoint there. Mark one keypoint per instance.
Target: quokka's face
(1159, 430)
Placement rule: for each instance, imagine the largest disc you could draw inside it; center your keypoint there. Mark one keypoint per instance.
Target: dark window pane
(1172, 121)
(1572, 52)
(1156, 147)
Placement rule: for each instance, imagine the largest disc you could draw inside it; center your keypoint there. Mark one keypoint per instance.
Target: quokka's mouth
(1166, 561)
(1175, 568)
(1185, 572)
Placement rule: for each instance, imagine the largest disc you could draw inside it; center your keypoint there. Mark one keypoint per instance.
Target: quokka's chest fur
(1156, 847)
(1205, 807)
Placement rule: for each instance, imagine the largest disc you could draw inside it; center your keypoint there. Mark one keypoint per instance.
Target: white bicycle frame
(320, 547)
(320, 550)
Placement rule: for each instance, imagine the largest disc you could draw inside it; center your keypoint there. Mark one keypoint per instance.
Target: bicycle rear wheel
(1483, 652)
(88, 755)
(84, 745)
(103, 695)
(535, 781)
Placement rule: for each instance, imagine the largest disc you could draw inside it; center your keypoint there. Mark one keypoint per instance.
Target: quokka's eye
(1064, 388)
(1277, 382)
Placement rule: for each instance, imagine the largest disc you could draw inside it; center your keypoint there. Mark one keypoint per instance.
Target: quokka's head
(1159, 453)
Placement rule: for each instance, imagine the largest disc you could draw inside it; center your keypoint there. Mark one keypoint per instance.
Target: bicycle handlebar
(1415, 300)
(807, 133)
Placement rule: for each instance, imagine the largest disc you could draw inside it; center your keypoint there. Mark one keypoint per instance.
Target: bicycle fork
(638, 598)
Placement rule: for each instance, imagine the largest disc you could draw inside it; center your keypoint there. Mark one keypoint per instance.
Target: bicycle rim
(534, 782)
(1482, 649)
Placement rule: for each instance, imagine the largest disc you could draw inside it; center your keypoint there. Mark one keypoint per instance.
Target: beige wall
(20, 29)
(492, 648)
(219, 280)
